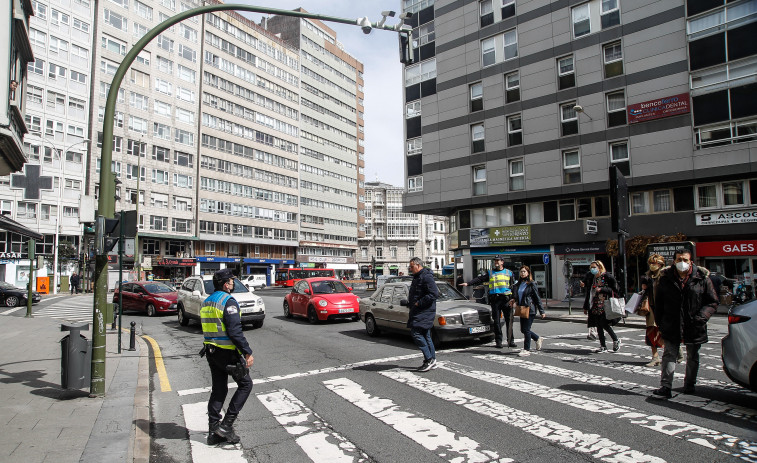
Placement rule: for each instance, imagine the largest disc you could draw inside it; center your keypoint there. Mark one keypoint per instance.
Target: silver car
(456, 317)
(740, 345)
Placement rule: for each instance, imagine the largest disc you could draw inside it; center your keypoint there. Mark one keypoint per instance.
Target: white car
(194, 290)
(740, 345)
(254, 281)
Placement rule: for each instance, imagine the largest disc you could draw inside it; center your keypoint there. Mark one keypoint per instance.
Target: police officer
(228, 353)
(500, 279)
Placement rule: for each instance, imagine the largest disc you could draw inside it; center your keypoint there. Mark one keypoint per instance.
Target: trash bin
(76, 357)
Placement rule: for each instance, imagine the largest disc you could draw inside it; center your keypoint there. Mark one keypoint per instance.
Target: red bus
(287, 277)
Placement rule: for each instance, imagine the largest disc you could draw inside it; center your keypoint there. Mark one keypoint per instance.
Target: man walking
(422, 304)
(228, 353)
(500, 279)
(74, 283)
(684, 299)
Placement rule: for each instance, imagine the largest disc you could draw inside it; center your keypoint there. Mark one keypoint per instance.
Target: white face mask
(682, 266)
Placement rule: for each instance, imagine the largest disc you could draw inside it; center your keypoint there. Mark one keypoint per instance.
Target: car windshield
(5, 285)
(238, 287)
(158, 288)
(448, 293)
(328, 287)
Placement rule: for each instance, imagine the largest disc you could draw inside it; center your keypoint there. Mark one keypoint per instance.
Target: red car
(321, 299)
(146, 296)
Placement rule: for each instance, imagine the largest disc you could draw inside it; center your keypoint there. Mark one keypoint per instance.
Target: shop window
(478, 143)
(619, 157)
(517, 175)
(512, 87)
(616, 109)
(568, 119)
(571, 167)
(613, 58)
(479, 180)
(514, 130)
(476, 97)
(566, 72)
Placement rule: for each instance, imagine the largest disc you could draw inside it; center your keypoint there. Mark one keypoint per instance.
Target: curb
(141, 423)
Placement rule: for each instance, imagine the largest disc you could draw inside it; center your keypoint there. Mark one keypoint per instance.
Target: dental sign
(659, 108)
(727, 248)
(727, 217)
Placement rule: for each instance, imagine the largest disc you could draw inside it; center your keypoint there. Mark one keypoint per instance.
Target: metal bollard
(133, 336)
(115, 319)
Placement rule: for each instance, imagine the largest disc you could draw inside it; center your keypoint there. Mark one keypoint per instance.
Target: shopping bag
(615, 307)
(522, 311)
(633, 303)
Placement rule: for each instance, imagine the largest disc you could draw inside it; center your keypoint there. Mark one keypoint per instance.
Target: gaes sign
(727, 248)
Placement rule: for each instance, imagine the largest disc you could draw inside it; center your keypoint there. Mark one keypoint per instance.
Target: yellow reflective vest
(211, 317)
(500, 281)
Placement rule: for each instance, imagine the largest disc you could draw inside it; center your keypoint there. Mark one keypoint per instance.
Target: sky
(379, 53)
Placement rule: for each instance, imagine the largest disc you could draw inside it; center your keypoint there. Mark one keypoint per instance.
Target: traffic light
(89, 228)
(109, 243)
(406, 53)
(618, 200)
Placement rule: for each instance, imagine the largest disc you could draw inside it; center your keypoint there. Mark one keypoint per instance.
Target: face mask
(654, 267)
(682, 266)
(594, 271)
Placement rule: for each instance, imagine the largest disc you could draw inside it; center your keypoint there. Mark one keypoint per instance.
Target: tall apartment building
(45, 195)
(393, 236)
(516, 109)
(331, 152)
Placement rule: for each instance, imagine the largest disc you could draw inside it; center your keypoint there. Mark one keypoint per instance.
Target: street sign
(545, 258)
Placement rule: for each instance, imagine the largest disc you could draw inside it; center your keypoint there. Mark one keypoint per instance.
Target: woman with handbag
(653, 339)
(602, 289)
(526, 301)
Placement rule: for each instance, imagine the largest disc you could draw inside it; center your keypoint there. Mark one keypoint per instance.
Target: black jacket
(424, 293)
(682, 313)
(609, 289)
(530, 297)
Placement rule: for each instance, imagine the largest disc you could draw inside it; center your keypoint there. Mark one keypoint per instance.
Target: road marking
(715, 406)
(8, 312)
(165, 386)
(708, 438)
(196, 422)
(592, 445)
(643, 357)
(436, 437)
(316, 437)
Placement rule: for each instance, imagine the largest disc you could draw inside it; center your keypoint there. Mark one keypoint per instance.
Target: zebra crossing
(76, 309)
(307, 411)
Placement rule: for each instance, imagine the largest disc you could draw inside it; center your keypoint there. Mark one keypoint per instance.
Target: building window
(662, 201)
(568, 119)
(707, 196)
(476, 97)
(640, 203)
(733, 194)
(210, 248)
(379, 252)
(511, 44)
(619, 157)
(566, 72)
(610, 14)
(479, 180)
(393, 252)
(613, 56)
(517, 175)
(508, 9)
(414, 146)
(514, 130)
(581, 20)
(488, 52)
(571, 167)
(584, 15)
(616, 109)
(412, 109)
(420, 72)
(478, 144)
(415, 184)
(26, 210)
(487, 12)
(512, 87)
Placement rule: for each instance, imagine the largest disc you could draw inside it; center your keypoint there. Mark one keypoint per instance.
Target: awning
(15, 227)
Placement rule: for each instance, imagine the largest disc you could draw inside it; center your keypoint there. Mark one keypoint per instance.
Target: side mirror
(403, 302)
(195, 293)
(307, 291)
(349, 289)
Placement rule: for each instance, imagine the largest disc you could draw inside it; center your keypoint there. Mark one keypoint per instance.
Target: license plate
(478, 329)
(346, 310)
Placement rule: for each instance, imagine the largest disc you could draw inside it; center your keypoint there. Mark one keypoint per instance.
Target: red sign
(727, 248)
(659, 108)
(174, 262)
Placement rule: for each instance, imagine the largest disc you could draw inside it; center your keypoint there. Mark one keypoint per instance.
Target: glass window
(566, 72)
(478, 143)
(662, 201)
(517, 175)
(511, 45)
(487, 12)
(613, 57)
(616, 109)
(581, 20)
(571, 167)
(479, 180)
(488, 52)
(477, 97)
(707, 196)
(514, 130)
(413, 109)
(512, 87)
(619, 157)
(568, 119)
(733, 194)
(639, 203)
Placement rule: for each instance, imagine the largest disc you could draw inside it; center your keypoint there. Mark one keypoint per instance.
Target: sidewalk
(44, 423)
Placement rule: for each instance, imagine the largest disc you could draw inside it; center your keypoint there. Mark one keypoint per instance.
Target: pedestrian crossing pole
(29, 290)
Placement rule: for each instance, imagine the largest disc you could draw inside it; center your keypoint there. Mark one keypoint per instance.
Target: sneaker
(512, 344)
(498, 345)
(689, 389)
(591, 337)
(426, 366)
(616, 345)
(655, 362)
(539, 342)
(524, 353)
(601, 350)
(433, 363)
(662, 393)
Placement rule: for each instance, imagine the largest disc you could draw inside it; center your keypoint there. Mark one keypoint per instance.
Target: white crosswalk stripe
(72, 309)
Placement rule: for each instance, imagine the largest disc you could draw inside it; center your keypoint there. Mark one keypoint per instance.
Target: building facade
(515, 110)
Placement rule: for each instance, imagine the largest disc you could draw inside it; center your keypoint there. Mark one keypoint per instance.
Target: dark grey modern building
(516, 109)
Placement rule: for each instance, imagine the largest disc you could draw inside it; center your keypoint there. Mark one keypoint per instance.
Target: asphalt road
(331, 393)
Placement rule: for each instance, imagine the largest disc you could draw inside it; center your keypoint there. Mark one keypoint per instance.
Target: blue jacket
(424, 293)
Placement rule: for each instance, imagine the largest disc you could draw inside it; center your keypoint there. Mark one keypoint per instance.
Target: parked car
(457, 318)
(321, 299)
(194, 290)
(739, 346)
(152, 297)
(254, 281)
(13, 295)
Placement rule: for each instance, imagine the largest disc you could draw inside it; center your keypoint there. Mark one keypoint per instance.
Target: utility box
(76, 357)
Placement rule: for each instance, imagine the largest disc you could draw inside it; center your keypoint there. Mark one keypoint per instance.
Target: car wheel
(257, 324)
(435, 339)
(287, 312)
(370, 326)
(11, 301)
(183, 320)
(312, 316)
(151, 310)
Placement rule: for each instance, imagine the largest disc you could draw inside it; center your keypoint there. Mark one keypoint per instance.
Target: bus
(287, 277)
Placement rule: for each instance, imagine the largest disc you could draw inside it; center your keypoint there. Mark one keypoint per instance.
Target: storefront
(210, 264)
(344, 267)
(265, 267)
(172, 270)
(735, 259)
(573, 261)
(480, 261)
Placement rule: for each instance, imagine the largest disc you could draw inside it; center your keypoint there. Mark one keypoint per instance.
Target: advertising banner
(727, 248)
(500, 236)
(727, 217)
(659, 108)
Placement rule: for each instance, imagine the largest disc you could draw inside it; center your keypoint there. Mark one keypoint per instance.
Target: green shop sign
(500, 236)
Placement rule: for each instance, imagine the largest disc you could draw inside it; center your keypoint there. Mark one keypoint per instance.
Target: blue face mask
(594, 270)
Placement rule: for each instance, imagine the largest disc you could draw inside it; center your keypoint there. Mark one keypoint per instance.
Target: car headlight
(323, 303)
(161, 299)
(450, 320)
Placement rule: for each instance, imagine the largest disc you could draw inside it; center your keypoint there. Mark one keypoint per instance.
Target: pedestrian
(717, 283)
(228, 352)
(603, 287)
(586, 284)
(500, 279)
(526, 294)
(422, 304)
(74, 283)
(684, 301)
(648, 281)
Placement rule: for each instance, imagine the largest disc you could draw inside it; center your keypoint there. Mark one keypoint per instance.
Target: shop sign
(326, 259)
(727, 217)
(581, 248)
(659, 108)
(580, 259)
(727, 248)
(11, 255)
(500, 236)
(174, 262)
(668, 250)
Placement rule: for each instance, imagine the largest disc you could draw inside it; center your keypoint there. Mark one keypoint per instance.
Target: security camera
(384, 15)
(406, 15)
(388, 13)
(365, 24)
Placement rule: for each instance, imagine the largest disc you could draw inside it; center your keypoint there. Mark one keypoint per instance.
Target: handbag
(653, 337)
(614, 307)
(634, 302)
(644, 308)
(523, 311)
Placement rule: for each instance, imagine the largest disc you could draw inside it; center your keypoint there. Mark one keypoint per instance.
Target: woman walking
(603, 287)
(526, 294)
(656, 262)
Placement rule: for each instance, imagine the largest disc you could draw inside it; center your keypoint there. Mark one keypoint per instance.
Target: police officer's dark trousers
(218, 362)
(499, 306)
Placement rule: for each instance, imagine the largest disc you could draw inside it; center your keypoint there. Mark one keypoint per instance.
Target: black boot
(213, 437)
(226, 429)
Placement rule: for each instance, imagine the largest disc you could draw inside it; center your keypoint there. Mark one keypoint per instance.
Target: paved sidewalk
(44, 423)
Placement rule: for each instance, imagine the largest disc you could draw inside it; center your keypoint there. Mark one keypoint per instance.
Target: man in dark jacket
(684, 299)
(422, 304)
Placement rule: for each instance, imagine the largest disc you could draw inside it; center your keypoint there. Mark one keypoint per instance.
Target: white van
(254, 281)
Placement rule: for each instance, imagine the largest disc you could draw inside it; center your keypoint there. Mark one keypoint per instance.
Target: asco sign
(727, 248)
(659, 108)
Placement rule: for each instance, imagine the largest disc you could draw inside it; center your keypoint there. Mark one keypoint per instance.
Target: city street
(330, 393)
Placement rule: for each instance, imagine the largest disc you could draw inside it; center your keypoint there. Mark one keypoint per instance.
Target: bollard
(115, 318)
(133, 336)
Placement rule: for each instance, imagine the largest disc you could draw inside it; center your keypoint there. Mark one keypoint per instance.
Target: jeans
(528, 335)
(500, 306)
(422, 338)
(604, 325)
(218, 362)
(669, 364)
